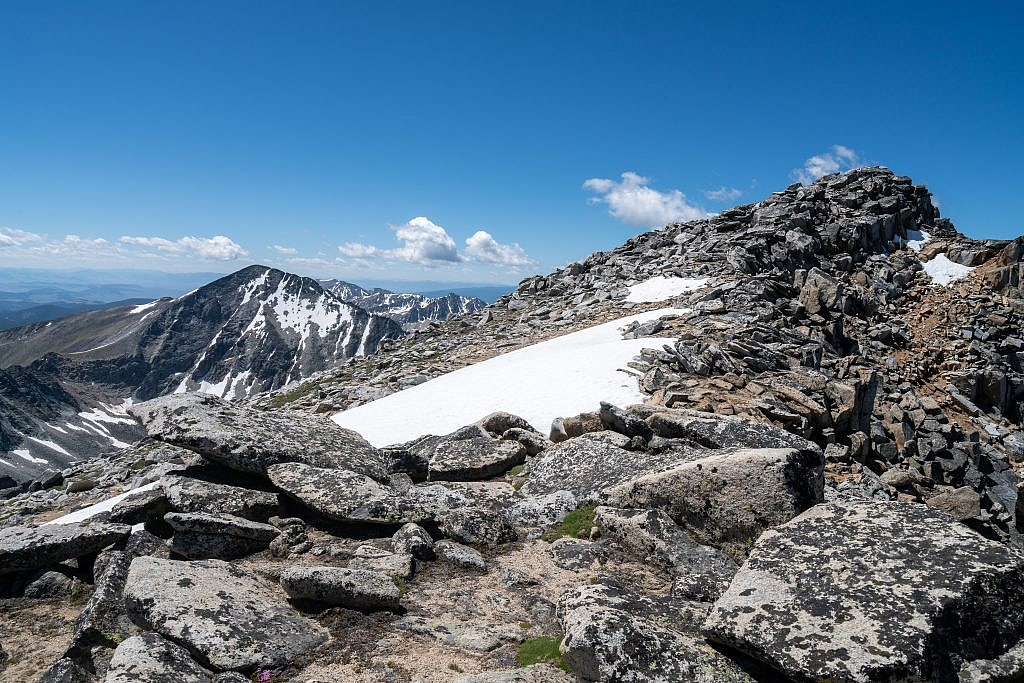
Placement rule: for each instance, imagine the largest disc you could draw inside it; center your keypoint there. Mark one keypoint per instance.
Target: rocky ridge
(820, 485)
(411, 311)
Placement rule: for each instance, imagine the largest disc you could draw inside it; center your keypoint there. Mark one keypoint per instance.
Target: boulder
(613, 634)
(459, 555)
(25, 547)
(461, 457)
(652, 536)
(862, 590)
(500, 422)
(65, 670)
(727, 499)
(104, 621)
(575, 554)
(370, 558)
(351, 588)
(542, 511)
(189, 494)
(961, 504)
(148, 658)
(139, 508)
(718, 431)
(412, 539)
(46, 585)
(618, 420)
(533, 442)
(477, 526)
(588, 464)
(245, 439)
(228, 618)
(200, 536)
(339, 494)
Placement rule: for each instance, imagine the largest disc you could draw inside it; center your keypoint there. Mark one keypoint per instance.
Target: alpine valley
(780, 443)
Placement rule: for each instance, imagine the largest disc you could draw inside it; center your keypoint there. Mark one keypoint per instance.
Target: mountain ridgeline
(252, 331)
(412, 311)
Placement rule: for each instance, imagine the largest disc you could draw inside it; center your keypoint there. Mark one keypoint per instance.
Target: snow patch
(559, 377)
(103, 506)
(943, 271)
(143, 307)
(25, 454)
(661, 287)
(50, 444)
(917, 239)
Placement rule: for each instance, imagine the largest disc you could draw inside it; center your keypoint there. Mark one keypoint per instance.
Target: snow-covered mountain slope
(252, 331)
(411, 310)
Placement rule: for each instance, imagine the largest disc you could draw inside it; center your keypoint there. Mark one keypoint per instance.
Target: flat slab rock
(351, 588)
(480, 457)
(588, 464)
(228, 618)
(613, 634)
(728, 498)
(870, 591)
(148, 658)
(340, 494)
(535, 673)
(250, 440)
(26, 547)
(187, 494)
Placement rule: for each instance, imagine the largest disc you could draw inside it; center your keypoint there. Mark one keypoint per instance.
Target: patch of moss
(517, 470)
(138, 464)
(295, 394)
(541, 649)
(403, 585)
(577, 524)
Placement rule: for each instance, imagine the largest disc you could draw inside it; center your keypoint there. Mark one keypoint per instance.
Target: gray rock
(23, 547)
(459, 555)
(104, 621)
(574, 553)
(140, 508)
(617, 419)
(249, 440)
(500, 422)
(652, 536)
(200, 536)
(412, 539)
(340, 494)
(868, 591)
(188, 494)
(719, 431)
(148, 658)
(727, 499)
(227, 617)
(49, 584)
(478, 526)
(612, 634)
(542, 511)
(370, 558)
(228, 525)
(588, 464)
(533, 442)
(65, 670)
(473, 458)
(350, 588)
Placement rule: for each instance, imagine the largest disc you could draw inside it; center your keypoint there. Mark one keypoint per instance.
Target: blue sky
(453, 141)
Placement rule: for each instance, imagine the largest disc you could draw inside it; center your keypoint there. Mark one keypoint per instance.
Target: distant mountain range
(410, 310)
(64, 383)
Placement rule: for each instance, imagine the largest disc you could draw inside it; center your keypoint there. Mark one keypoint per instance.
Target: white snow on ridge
(661, 287)
(143, 307)
(917, 239)
(25, 454)
(559, 377)
(943, 271)
(102, 506)
(50, 444)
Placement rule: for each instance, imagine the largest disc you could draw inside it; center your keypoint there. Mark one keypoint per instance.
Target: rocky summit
(782, 443)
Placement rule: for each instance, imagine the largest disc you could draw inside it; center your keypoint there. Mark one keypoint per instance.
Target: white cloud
(723, 194)
(632, 201)
(482, 247)
(420, 241)
(283, 250)
(13, 237)
(838, 158)
(216, 248)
